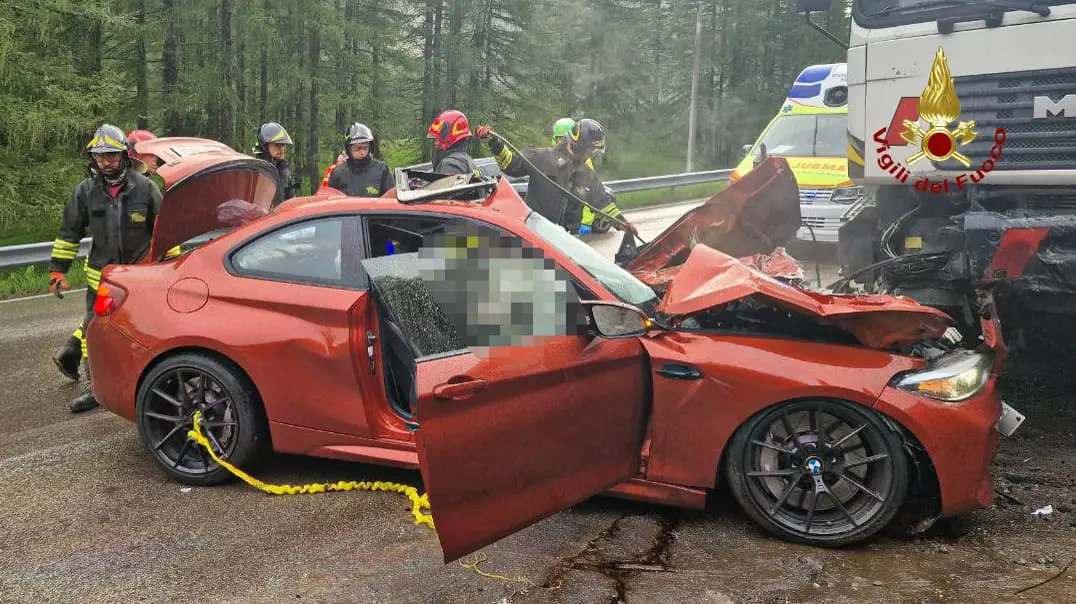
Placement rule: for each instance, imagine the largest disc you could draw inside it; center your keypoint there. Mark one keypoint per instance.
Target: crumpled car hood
(755, 215)
(710, 278)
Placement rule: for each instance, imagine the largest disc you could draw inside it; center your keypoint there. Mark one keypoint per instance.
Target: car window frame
(357, 282)
(582, 288)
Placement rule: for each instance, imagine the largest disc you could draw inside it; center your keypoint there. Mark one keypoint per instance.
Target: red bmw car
(447, 327)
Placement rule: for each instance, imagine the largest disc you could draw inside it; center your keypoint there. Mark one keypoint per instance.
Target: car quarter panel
(115, 390)
(960, 438)
(292, 340)
(741, 375)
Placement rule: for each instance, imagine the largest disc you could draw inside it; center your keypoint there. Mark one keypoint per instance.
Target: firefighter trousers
(80, 333)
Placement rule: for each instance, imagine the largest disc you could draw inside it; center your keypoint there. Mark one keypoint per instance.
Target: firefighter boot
(67, 358)
(84, 402)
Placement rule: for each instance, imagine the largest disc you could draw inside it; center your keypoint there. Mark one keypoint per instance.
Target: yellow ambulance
(810, 132)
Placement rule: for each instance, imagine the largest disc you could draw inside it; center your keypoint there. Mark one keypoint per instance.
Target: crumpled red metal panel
(754, 215)
(710, 278)
(778, 264)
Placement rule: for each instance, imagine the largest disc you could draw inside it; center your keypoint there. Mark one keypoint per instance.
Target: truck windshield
(891, 13)
(808, 136)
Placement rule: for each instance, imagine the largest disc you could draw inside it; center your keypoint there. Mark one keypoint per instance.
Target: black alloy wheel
(232, 418)
(822, 472)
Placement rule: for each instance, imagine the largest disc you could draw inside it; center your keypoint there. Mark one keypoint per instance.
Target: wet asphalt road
(86, 517)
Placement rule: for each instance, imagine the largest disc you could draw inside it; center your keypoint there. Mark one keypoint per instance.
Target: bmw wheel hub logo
(814, 466)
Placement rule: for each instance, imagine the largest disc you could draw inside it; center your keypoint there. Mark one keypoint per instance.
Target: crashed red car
(340, 327)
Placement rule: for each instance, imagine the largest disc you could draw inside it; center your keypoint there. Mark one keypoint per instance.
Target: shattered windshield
(617, 280)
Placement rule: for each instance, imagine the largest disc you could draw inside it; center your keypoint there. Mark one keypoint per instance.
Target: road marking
(68, 292)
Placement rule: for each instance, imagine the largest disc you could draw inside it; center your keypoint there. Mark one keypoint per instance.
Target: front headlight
(952, 377)
(846, 194)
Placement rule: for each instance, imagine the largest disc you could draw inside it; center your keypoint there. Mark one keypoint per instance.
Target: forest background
(220, 68)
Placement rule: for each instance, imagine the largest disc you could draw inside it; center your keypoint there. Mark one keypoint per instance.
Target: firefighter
(561, 128)
(144, 162)
(341, 159)
(362, 175)
(273, 142)
(116, 206)
(564, 164)
(451, 131)
(590, 221)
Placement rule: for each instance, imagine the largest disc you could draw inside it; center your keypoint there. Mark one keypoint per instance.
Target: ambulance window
(836, 96)
(808, 136)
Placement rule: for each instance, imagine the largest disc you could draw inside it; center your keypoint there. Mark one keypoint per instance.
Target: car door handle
(460, 390)
(677, 371)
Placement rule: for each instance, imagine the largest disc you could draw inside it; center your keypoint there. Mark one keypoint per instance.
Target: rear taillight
(109, 298)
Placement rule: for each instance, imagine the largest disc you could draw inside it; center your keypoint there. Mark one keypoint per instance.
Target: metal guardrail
(35, 253)
(38, 253)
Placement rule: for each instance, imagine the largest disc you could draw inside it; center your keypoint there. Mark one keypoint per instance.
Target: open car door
(511, 432)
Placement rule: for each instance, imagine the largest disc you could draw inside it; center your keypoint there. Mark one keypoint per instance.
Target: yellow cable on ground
(418, 501)
(480, 558)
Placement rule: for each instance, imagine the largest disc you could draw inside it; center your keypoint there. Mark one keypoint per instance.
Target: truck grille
(812, 196)
(1006, 100)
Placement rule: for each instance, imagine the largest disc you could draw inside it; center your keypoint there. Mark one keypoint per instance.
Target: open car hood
(753, 216)
(710, 278)
(203, 179)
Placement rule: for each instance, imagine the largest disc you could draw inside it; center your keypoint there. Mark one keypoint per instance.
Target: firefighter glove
(57, 283)
(484, 132)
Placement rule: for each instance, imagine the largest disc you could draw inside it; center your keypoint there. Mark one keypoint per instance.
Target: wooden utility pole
(694, 90)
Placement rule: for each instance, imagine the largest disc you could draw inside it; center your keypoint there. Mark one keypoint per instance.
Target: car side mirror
(813, 6)
(761, 155)
(616, 320)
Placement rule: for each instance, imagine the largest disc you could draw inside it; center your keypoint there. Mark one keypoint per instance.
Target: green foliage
(35, 280)
(220, 68)
(641, 199)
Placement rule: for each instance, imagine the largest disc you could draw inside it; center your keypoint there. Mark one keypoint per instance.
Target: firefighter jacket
(288, 188)
(455, 160)
(556, 164)
(369, 177)
(121, 227)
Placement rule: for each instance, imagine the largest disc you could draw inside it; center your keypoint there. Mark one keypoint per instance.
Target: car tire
(235, 420)
(859, 459)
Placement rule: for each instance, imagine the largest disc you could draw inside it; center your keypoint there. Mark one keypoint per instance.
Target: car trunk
(209, 189)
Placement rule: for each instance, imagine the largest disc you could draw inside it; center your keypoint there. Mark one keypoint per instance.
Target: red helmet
(137, 136)
(449, 128)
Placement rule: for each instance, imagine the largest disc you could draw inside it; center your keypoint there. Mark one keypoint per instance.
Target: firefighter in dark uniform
(117, 207)
(144, 163)
(362, 175)
(565, 164)
(273, 142)
(451, 132)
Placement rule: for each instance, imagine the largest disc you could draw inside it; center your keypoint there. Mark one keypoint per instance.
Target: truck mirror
(761, 155)
(813, 6)
(746, 149)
